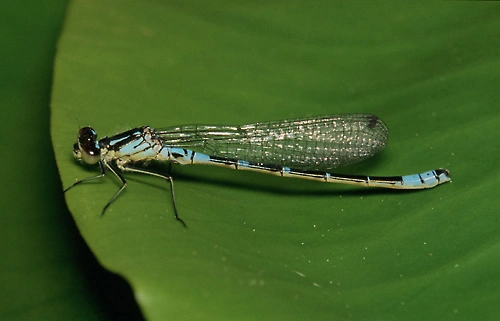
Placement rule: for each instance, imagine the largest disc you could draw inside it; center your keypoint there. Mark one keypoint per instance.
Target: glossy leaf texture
(259, 246)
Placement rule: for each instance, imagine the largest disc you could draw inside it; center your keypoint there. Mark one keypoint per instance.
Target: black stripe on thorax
(116, 142)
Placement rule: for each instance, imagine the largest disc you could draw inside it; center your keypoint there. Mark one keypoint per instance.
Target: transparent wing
(316, 143)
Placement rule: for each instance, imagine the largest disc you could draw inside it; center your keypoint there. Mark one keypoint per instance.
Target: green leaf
(46, 272)
(258, 246)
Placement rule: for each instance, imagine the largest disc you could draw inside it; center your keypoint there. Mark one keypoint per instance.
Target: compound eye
(91, 155)
(87, 135)
(87, 146)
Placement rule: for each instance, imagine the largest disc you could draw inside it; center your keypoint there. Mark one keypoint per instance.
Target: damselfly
(305, 148)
